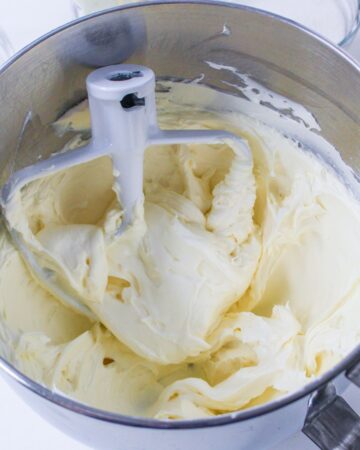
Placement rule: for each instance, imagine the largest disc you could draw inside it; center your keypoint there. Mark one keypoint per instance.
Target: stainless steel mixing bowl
(175, 39)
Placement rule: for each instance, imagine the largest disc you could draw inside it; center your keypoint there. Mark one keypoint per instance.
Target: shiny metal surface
(353, 374)
(176, 39)
(326, 411)
(257, 433)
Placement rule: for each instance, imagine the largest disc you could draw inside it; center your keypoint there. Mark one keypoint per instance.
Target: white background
(21, 428)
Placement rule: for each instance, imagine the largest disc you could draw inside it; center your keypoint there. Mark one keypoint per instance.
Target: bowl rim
(349, 36)
(224, 419)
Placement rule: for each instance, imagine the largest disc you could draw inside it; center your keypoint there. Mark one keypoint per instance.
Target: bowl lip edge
(216, 3)
(224, 419)
(75, 406)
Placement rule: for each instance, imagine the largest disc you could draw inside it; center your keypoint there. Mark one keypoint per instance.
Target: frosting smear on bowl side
(237, 283)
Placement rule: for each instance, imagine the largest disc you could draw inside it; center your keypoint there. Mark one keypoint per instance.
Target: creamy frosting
(236, 283)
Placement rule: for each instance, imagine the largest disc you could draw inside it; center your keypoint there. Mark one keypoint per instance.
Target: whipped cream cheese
(238, 281)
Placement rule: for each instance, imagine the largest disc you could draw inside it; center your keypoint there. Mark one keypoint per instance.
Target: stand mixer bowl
(176, 39)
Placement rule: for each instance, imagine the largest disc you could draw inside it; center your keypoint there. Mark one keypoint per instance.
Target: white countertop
(20, 427)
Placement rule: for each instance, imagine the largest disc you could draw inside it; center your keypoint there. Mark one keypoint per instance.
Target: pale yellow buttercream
(238, 281)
